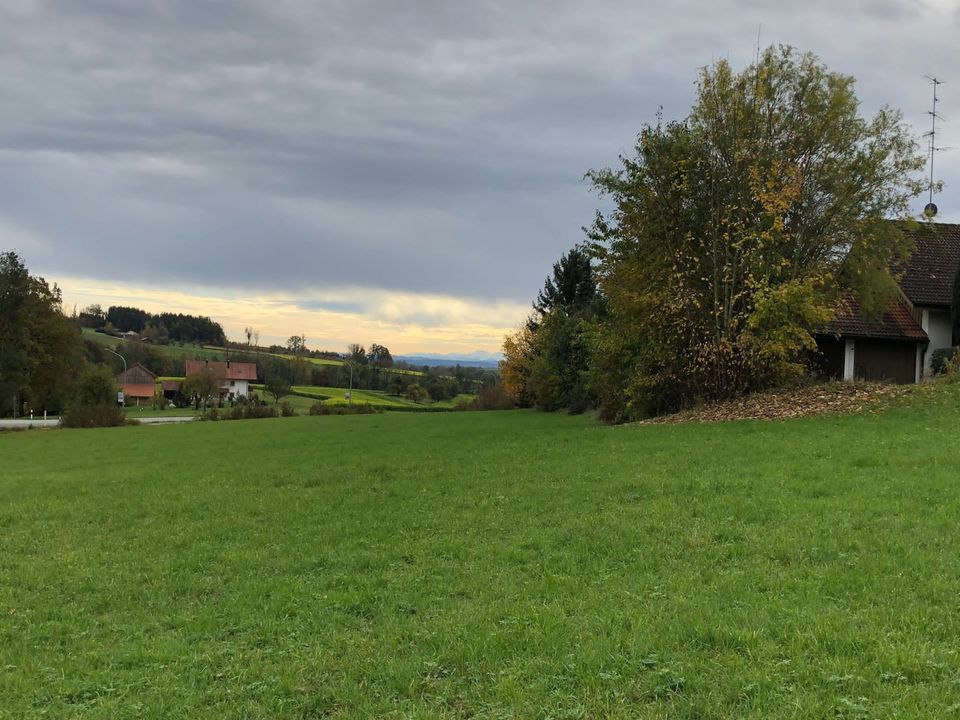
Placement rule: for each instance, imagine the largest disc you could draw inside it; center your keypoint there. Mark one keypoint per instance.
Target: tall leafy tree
(297, 344)
(545, 362)
(277, 386)
(734, 230)
(40, 350)
(571, 287)
(92, 316)
(357, 354)
(204, 386)
(14, 329)
(380, 356)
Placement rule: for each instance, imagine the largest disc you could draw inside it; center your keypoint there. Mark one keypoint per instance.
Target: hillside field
(484, 565)
(189, 351)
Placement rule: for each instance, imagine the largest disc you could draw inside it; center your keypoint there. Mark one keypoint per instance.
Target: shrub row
(89, 416)
(240, 412)
(492, 397)
(320, 408)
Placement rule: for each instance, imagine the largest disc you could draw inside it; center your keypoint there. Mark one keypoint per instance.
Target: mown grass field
(484, 565)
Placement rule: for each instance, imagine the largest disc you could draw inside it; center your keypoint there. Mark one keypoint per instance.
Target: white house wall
(940, 331)
(237, 387)
(849, 354)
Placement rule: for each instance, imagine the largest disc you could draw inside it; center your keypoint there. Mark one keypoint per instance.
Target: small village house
(235, 377)
(927, 283)
(898, 346)
(138, 385)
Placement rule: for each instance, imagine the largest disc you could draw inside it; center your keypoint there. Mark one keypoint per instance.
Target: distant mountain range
(479, 359)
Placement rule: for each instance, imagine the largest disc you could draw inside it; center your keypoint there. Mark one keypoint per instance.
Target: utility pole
(350, 391)
(124, 401)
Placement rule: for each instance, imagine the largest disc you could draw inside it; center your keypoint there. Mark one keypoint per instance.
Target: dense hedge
(89, 416)
(492, 397)
(250, 411)
(319, 408)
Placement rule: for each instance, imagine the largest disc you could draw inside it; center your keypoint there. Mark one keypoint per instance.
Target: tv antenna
(930, 210)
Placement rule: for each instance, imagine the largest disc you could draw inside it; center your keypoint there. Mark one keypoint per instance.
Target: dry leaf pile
(827, 399)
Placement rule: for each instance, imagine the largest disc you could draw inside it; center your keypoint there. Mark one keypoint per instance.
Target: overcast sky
(394, 172)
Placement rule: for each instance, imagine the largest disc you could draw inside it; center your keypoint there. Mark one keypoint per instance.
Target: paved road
(28, 423)
(24, 423)
(165, 420)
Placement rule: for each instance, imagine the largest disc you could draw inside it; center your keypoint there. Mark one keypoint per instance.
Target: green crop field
(313, 361)
(336, 396)
(376, 398)
(484, 565)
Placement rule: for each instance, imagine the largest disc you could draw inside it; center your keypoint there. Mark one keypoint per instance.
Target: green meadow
(484, 565)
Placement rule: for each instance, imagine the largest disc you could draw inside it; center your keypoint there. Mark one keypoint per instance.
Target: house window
(232, 383)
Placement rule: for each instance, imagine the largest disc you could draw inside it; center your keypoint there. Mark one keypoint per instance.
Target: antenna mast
(931, 209)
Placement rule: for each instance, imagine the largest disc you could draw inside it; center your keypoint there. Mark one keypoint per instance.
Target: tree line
(161, 328)
(731, 236)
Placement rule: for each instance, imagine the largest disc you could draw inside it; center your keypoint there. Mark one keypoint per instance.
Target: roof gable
(137, 374)
(896, 322)
(224, 370)
(929, 273)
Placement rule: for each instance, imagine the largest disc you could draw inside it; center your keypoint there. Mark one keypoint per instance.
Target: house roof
(896, 322)
(136, 373)
(226, 370)
(928, 277)
(171, 385)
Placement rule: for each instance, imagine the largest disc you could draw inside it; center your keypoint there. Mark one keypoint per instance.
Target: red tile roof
(226, 370)
(896, 323)
(928, 277)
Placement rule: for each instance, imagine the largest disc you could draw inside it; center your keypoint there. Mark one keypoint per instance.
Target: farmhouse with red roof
(235, 377)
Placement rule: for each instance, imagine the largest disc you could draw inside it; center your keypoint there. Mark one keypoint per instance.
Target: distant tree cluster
(160, 328)
(126, 319)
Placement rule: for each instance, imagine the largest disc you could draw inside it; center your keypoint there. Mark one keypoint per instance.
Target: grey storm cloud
(426, 147)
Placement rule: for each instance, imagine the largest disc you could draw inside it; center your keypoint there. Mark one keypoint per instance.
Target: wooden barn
(138, 385)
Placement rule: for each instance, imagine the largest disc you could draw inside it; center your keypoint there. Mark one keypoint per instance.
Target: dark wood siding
(885, 360)
(829, 358)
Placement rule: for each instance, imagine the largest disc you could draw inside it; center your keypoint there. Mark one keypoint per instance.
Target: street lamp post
(124, 374)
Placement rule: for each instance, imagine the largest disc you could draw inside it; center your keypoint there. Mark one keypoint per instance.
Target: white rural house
(235, 377)
(927, 282)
